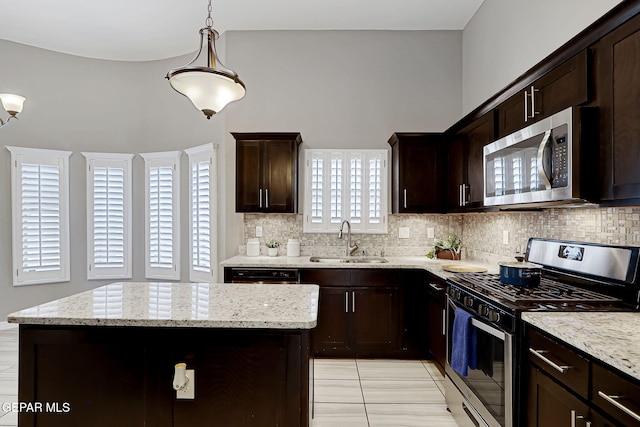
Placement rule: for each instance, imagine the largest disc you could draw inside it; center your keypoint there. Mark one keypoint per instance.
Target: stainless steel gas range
(575, 276)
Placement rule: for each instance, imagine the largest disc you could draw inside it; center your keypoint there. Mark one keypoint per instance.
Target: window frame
(200, 154)
(116, 160)
(162, 159)
(346, 155)
(20, 155)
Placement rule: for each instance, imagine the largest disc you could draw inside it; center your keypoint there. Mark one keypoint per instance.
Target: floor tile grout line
(366, 413)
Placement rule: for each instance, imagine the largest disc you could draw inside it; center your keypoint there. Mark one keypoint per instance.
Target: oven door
(485, 396)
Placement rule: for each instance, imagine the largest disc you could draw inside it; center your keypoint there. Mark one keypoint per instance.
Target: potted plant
(449, 248)
(272, 247)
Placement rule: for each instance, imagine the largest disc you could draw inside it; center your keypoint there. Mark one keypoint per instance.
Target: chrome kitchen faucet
(350, 249)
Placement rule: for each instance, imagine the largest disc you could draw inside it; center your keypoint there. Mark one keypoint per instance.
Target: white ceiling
(141, 30)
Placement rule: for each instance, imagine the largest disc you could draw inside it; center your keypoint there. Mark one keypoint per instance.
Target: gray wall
(341, 89)
(338, 88)
(506, 38)
(81, 104)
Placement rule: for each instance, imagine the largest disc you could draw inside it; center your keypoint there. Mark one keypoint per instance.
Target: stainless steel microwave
(551, 162)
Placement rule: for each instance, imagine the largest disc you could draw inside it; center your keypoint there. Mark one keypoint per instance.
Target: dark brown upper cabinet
(562, 87)
(465, 187)
(418, 172)
(618, 95)
(267, 172)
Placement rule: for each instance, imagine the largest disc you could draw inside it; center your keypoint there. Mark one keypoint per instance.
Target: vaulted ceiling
(142, 30)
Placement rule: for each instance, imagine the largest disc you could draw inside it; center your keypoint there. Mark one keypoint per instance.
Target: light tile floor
(348, 392)
(379, 393)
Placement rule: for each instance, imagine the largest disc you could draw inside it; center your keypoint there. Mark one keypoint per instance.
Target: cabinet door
(279, 174)
(562, 87)
(414, 302)
(457, 171)
(331, 335)
(248, 176)
(618, 59)
(419, 173)
(437, 334)
(549, 404)
(374, 314)
(466, 162)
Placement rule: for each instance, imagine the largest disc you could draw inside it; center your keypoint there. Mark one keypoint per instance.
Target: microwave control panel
(560, 157)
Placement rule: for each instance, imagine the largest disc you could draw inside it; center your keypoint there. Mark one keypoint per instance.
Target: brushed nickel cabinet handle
(266, 198)
(575, 417)
(526, 108)
(560, 368)
(353, 301)
(612, 400)
(260, 197)
(346, 301)
(405, 198)
(533, 101)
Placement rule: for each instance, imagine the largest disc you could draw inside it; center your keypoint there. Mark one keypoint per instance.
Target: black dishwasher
(261, 275)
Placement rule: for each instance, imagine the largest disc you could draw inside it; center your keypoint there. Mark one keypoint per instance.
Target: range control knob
(468, 301)
(493, 315)
(454, 293)
(483, 309)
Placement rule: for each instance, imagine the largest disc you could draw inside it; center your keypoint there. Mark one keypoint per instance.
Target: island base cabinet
(123, 377)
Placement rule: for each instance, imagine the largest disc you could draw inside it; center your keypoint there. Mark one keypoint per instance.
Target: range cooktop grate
(548, 291)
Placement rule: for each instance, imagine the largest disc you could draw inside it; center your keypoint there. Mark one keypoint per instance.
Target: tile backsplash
(483, 234)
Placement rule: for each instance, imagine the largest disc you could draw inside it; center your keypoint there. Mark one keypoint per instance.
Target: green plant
(272, 244)
(452, 244)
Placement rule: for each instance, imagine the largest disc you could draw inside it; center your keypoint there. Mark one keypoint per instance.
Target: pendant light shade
(12, 104)
(211, 87)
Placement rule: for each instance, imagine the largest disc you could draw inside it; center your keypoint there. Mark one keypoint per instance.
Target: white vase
(272, 251)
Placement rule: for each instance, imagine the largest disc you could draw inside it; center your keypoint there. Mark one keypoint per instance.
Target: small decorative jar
(293, 247)
(253, 247)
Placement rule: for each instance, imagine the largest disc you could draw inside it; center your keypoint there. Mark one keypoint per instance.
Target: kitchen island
(106, 357)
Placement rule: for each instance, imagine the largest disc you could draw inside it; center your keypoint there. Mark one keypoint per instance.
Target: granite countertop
(422, 262)
(199, 305)
(611, 337)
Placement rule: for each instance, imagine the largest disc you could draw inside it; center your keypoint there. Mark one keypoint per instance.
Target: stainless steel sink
(354, 259)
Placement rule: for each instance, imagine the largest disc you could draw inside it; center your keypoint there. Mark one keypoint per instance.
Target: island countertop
(189, 305)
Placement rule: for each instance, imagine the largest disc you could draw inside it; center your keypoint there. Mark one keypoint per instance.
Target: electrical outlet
(430, 233)
(258, 231)
(189, 392)
(403, 232)
(505, 237)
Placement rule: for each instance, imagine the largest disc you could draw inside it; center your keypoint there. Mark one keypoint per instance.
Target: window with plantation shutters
(109, 183)
(346, 184)
(162, 215)
(202, 214)
(40, 215)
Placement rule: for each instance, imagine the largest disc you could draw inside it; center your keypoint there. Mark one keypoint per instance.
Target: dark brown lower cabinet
(551, 405)
(437, 333)
(105, 376)
(358, 312)
(356, 322)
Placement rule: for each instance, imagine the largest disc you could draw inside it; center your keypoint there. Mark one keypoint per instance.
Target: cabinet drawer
(326, 276)
(616, 395)
(559, 362)
(374, 277)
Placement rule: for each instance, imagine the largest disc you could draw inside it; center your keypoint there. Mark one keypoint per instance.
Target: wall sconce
(12, 104)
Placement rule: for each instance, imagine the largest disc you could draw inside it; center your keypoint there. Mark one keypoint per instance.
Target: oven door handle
(488, 329)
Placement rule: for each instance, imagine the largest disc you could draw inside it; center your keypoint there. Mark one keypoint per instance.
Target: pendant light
(212, 87)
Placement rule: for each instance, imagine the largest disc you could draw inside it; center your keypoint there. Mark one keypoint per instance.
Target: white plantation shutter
(346, 184)
(109, 184)
(202, 214)
(40, 224)
(162, 215)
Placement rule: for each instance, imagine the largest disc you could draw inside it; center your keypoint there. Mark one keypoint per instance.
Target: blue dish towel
(463, 351)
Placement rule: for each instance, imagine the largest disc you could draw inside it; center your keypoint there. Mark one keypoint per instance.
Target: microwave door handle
(540, 160)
